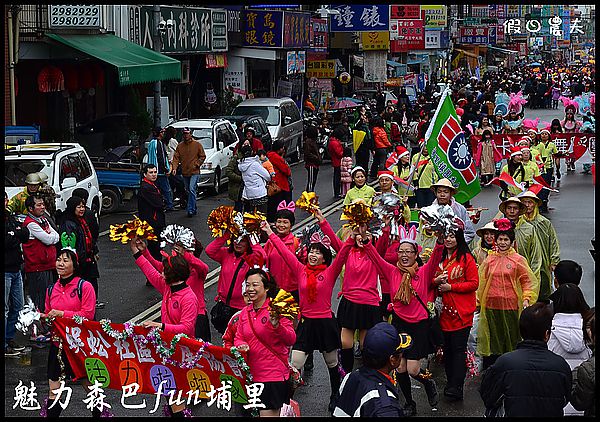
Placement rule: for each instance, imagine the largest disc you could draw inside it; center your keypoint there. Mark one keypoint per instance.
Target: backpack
(79, 288)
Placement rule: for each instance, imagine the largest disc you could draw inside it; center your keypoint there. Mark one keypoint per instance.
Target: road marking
(211, 278)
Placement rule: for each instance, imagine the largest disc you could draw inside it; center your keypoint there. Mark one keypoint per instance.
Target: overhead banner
(436, 17)
(262, 28)
(375, 40)
(119, 355)
(320, 69)
(474, 35)
(409, 35)
(358, 18)
(375, 69)
(296, 29)
(572, 145)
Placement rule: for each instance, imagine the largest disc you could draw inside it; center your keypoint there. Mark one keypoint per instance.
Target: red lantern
(51, 79)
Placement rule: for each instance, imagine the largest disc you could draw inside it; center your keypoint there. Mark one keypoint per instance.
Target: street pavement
(122, 287)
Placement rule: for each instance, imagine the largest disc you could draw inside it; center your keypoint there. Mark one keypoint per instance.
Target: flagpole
(427, 135)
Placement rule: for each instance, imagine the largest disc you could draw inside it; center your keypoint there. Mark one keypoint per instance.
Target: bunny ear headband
(166, 255)
(409, 236)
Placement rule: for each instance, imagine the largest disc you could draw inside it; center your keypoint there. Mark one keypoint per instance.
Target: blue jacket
(367, 392)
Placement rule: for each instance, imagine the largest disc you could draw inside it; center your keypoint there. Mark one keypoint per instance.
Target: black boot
(403, 382)
(347, 359)
(55, 411)
(334, 382)
(430, 388)
(309, 364)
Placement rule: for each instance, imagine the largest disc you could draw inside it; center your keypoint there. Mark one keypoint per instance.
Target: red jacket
(282, 170)
(336, 151)
(460, 302)
(38, 256)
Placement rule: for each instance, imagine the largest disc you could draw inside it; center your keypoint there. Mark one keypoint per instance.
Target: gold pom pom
(136, 227)
(357, 214)
(284, 306)
(220, 220)
(308, 201)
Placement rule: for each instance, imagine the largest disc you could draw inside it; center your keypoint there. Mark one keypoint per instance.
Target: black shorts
(322, 334)
(420, 332)
(54, 370)
(202, 328)
(383, 305)
(356, 316)
(275, 394)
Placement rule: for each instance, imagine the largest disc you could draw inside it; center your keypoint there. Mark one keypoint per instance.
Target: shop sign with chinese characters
(190, 33)
(474, 35)
(436, 17)
(320, 69)
(375, 40)
(296, 29)
(262, 28)
(405, 11)
(561, 28)
(219, 30)
(319, 35)
(359, 18)
(409, 35)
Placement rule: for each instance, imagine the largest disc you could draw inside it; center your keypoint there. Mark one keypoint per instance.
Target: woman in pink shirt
(198, 272)
(267, 341)
(80, 300)
(318, 329)
(233, 268)
(411, 286)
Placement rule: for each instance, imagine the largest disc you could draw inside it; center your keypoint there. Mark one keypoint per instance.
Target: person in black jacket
(91, 216)
(312, 158)
(530, 381)
(151, 207)
(369, 390)
(363, 153)
(14, 235)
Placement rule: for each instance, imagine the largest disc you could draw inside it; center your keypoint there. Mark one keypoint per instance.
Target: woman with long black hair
(457, 281)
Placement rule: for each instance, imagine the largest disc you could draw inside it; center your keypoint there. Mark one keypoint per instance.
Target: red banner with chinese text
(115, 363)
(572, 145)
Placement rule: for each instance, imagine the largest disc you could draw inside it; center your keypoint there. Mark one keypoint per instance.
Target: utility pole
(13, 36)
(157, 85)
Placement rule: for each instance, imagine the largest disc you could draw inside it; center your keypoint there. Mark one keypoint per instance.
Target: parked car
(105, 133)
(282, 118)
(257, 122)
(218, 138)
(67, 165)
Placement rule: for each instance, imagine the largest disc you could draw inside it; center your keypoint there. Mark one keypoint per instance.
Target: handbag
(273, 188)
(221, 313)
(295, 379)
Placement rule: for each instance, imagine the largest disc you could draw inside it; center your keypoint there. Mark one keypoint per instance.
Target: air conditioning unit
(185, 72)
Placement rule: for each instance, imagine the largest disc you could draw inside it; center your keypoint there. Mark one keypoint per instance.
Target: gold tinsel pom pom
(357, 214)
(220, 220)
(136, 227)
(308, 201)
(284, 306)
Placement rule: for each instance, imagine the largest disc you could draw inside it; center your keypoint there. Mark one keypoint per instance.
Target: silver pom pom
(175, 234)
(27, 316)
(439, 219)
(387, 205)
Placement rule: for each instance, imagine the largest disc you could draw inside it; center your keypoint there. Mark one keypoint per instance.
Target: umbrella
(534, 64)
(347, 103)
(356, 100)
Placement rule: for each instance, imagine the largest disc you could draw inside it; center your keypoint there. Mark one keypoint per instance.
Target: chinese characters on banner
(262, 28)
(555, 26)
(375, 40)
(191, 31)
(573, 145)
(234, 75)
(320, 69)
(405, 11)
(319, 35)
(375, 67)
(474, 35)
(216, 60)
(296, 29)
(409, 35)
(219, 30)
(435, 16)
(115, 363)
(360, 18)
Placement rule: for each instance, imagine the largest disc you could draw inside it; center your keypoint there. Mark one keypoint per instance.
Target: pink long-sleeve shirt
(264, 365)
(321, 307)
(179, 308)
(217, 251)
(389, 252)
(360, 279)
(65, 298)
(198, 272)
(277, 265)
(422, 282)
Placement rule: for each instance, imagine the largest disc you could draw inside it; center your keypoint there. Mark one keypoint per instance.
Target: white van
(283, 120)
(67, 166)
(218, 138)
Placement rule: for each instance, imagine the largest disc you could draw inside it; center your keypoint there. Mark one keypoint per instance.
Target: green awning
(136, 64)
